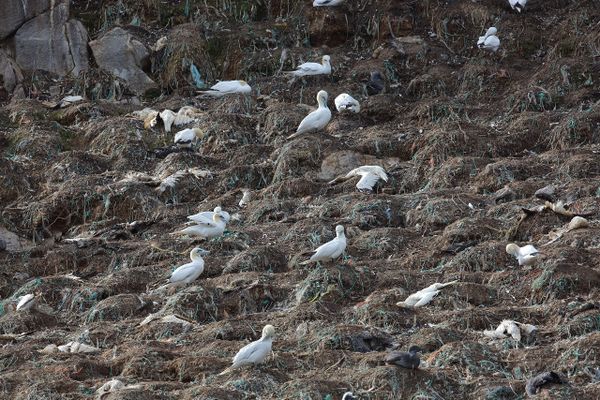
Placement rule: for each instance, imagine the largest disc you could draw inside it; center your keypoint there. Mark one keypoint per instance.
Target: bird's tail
(294, 135)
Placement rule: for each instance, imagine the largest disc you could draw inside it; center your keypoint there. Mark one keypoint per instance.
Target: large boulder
(14, 13)
(10, 74)
(51, 42)
(120, 54)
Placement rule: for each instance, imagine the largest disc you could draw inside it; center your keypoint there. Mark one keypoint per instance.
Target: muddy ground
(467, 138)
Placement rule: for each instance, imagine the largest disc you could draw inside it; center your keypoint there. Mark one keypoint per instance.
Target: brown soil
(467, 138)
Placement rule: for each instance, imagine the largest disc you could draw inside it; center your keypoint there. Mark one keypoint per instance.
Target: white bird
(168, 117)
(512, 328)
(77, 347)
(330, 250)
(255, 352)
(26, 302)
(228, 87)
(518, 5)
(489, 41)
(316, 120)
(348, 396)
(345, 102)
(189, 272)
(327, 3)
(312, 68)
(208, 228)
(204, 216)
(526, 255)
(246, 198)
(423, 296)
(370, 175)
(186, 137)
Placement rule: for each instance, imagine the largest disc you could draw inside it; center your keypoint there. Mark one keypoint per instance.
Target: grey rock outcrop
(10, 73)
(14, 13)
(51, 42)
(118, 53)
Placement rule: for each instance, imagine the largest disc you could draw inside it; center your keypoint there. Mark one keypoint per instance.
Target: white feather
(344, 102)
(313, 68)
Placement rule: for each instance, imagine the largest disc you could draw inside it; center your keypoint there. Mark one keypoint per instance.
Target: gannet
(228, 87)
(518, 5)
(246, 197)
(345, 102)
(535, 383)
(186, 137)
(405, 359)
(255, 352)
(327, 3)
(512, 328)
(423, 296)
(168, 117)
(526, 255)
(189, 272)
(375, 84)
(489, 41)
(208, 215)
(312, 68)
(207, 228)
(317, 119)
(330, 250)
(150, 119)
(370, 175)
(348, 396)
(26, 302)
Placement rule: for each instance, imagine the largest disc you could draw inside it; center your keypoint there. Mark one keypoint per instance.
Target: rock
(10, 74)
(13, 13)
(51, 42)
(120, 54)
(546, 193)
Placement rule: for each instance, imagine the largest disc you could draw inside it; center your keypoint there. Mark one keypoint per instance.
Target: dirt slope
(467, 138)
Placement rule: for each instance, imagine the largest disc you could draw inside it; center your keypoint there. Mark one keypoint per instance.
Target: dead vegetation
(466, 137)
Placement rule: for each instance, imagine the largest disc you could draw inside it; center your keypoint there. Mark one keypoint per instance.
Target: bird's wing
(512, 329)
(184, 116)
(184, 136)
(367, 181)
(226, 216)
(183, 272)
(204, 217)
(310, 122)
(252, 352)
(528, 250)
(309, 67)
(326, 250)
(226, 86)
(427, 297)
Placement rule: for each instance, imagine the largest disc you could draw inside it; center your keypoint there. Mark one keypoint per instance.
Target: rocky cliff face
(481, 150)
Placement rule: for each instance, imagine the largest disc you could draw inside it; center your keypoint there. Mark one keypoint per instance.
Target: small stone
(546, 193)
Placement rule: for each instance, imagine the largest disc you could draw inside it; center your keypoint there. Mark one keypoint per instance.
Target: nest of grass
(119, 307)
(262, 258)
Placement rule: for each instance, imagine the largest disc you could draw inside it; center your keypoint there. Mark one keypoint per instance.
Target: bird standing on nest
(205, 227)
(255, 352)
(208, 215)
(316, 120)
(405, 359)
(526, 255)
(330, 250)
(312, 68)
(187, 273)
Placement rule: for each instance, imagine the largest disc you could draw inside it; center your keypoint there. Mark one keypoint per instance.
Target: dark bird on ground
(535, 383)
(405, 359)
(375, 84)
